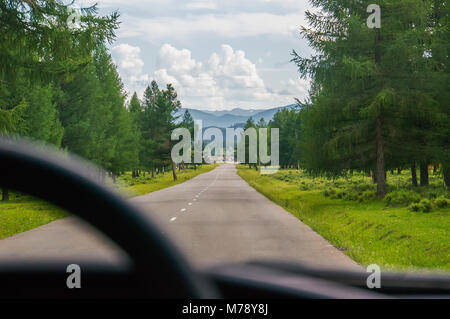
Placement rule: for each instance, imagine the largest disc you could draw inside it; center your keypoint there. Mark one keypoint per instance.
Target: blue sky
(218, 54)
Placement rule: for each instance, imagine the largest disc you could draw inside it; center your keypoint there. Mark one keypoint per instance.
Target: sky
(218, 54)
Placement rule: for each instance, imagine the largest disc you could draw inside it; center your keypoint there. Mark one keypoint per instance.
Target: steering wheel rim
(68, 185)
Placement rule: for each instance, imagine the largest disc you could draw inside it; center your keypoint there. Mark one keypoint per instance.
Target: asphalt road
(214, 218)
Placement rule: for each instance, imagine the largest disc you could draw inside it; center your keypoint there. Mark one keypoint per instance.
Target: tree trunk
(424, 174)
(5, 194)
(374, 178)
(174, 171)
(399, 171)
(153, 172)
(380, 173)
(414, 174)
(113, 178)
(446, 173)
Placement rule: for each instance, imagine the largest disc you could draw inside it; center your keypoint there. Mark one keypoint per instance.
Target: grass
(368, 230)
(22, 212)
(143, 185)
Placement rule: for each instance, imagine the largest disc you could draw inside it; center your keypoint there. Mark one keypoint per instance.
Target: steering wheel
(65, 181)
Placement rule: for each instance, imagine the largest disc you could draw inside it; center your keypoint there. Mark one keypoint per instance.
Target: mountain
(236, 111)
(230, 118)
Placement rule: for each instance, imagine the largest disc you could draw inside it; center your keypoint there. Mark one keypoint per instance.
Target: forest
(59, 86)
(379, 98)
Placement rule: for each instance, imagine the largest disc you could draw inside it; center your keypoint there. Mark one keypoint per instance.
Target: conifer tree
(367, 86)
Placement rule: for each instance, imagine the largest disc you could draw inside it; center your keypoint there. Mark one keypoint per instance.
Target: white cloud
(130, 66)
(227, 79)
(177, 61)
(221, 25)
(201, 5)
(129, 60)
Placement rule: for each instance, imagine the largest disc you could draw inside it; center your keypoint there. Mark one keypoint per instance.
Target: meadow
(408, 230)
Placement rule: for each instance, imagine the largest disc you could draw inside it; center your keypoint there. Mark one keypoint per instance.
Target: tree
(158, 121)
(135, 110)
(38, 48)
(288, 121)
(367, 87)
(188, 123)
(440, 80)
(122, 143)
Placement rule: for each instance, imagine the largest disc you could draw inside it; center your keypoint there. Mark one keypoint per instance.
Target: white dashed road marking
(173, 219)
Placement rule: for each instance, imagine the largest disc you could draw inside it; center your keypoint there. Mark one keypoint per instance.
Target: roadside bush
(441, 202)
(329, 192)
(367, 195)
(427, 205)
(424, 206)
(401, 197)
(414, 207)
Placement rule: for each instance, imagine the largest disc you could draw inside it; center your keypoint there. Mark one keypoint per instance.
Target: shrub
(329, 192)
(415, 207)
(427, 205)
(424, 206)
(367, 195)
(401, 197)
(442, 202)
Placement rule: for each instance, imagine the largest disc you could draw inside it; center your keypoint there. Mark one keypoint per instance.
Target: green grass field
(143, 185)
(370, 231)
(23, 212)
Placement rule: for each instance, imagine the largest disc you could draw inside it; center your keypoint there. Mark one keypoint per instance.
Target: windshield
(307, 131)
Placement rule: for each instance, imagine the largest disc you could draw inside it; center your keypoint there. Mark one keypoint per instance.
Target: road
(214, 218)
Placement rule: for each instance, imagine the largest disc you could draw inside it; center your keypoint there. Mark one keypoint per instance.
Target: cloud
(177, 61)
(201, 5)
(221, 25)
(130, 66)
(129, 60)
(226, 79)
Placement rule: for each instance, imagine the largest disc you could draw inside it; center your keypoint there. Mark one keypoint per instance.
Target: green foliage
(424, 206)
(156, 122)
(369, 232)
(401, 198)
(378, 99)
(442, 202)
(288, 122)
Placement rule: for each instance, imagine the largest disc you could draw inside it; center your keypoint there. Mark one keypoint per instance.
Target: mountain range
(234, 117)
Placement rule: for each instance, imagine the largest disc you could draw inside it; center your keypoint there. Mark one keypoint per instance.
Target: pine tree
(121, 143)
(288, 122)
(367, 84)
